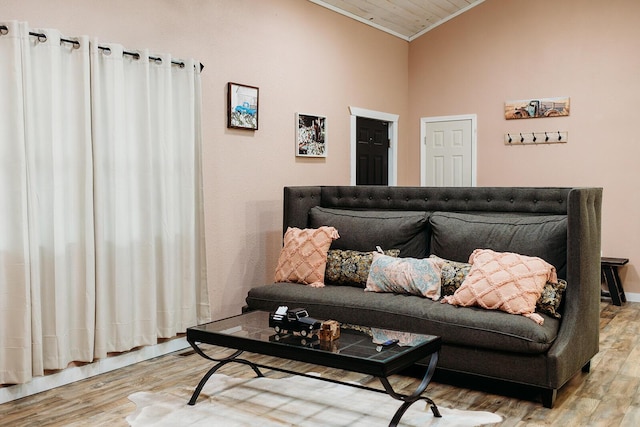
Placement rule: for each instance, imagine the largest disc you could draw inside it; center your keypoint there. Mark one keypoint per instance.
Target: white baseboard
(69, 375)
(632, 297)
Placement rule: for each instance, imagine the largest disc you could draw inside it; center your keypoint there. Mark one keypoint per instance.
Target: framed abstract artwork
(311, 135)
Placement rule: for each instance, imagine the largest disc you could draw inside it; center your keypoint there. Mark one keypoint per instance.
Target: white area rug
(294, 401)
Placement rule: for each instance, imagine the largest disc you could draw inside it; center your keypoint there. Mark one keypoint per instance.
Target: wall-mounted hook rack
(535, 138)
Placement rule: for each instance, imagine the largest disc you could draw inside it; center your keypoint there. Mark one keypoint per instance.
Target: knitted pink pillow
(303, 258)
(504, 281)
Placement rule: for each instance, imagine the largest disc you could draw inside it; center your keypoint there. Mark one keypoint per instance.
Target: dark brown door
(372, 152)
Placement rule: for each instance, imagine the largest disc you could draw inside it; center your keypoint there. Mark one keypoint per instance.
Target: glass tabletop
(358, 342)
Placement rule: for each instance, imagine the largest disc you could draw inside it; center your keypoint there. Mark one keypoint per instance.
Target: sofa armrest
(578, 338)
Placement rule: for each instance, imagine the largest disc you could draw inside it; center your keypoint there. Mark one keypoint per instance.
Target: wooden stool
(609, 272)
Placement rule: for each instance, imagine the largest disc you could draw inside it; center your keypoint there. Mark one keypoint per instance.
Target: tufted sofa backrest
(536, 200)
(494, 199)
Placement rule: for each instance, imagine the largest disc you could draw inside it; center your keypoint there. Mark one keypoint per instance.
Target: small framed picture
(242, 108)
(311, 135)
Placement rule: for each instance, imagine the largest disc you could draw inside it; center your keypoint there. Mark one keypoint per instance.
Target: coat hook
(509, 138)
(546, 137)
(534, 136)
(559, 136)
(521, 137)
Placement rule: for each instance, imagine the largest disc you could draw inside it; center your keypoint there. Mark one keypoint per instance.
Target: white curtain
(15, 278)
(102, 244)
(148, 197)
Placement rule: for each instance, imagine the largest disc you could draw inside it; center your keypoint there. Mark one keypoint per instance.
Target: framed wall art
(311, 135)
(242, 108)
(533, 108)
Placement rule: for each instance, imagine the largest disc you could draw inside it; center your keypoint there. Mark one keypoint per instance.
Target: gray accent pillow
(364, 230)
(455, 235)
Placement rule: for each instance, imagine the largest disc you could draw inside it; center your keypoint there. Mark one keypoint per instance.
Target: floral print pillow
(405, 276)
(452, 275)
(350, 268)
(551, 297)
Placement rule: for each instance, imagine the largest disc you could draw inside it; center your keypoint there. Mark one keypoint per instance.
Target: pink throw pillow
(504, 281)
(303, 258)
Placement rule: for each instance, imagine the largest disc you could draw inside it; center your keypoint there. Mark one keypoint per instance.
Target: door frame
(474, 144)
(392, 119)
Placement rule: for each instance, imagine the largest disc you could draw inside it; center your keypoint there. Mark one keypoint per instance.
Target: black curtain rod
(76, 44)
(136, 55)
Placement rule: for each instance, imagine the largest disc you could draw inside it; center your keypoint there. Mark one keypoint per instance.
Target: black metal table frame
(407, 400)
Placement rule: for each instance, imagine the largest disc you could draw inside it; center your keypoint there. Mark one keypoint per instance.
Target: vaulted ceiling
(406, 19)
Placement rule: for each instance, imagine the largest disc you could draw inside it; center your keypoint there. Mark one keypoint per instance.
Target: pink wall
(508, 50)
(308, 59)
(304, 58)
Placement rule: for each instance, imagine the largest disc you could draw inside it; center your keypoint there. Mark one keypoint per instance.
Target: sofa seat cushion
(461, 326)
(364, 230)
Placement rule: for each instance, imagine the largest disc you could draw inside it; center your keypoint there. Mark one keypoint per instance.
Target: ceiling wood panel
(406, 19)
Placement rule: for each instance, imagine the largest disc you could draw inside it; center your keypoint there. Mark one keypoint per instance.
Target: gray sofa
(559, 225)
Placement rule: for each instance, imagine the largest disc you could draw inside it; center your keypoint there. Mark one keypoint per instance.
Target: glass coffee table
(358, 349)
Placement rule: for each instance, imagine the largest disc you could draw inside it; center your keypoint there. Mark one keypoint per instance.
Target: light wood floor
(607, 396)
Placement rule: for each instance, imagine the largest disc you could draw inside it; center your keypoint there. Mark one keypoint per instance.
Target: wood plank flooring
(607, 396)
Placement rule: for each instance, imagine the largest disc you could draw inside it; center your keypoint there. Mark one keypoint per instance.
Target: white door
(448, 151)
